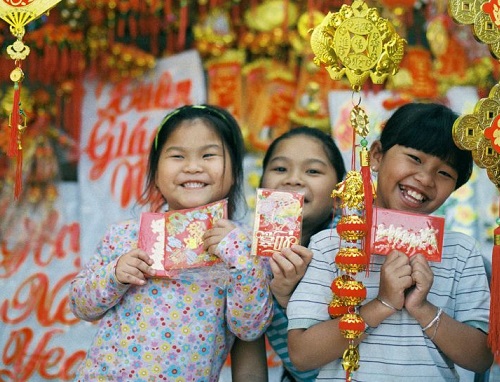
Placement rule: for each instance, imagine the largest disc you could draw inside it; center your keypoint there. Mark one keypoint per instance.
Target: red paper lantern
(352, 228)
(336, 308)
(349, 290)
(351, 325)
(338, 283)
(351, 260)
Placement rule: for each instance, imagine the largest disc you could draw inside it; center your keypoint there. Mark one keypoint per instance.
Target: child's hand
(422, 278)
(395, 278)
(288, 267)
(133, 266)
(213, 236)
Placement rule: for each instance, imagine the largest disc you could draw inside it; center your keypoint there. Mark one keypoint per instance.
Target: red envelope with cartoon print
(407, 232)
(174, 239)
(277, 222)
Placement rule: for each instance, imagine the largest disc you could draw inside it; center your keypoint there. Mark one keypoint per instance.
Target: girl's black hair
(428, 127)
(331, 150)
(228, 130)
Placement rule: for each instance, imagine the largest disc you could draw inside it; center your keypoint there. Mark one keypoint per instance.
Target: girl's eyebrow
(202, 148)
(310, 161)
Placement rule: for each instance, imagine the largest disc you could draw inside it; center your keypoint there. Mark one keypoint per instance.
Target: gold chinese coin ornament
(357, 42)
(484, 18)
(479, 133)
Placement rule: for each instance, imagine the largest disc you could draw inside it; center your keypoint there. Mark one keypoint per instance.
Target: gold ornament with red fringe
(483, 16)
(18, 15)
(356, 42)
(479, 133)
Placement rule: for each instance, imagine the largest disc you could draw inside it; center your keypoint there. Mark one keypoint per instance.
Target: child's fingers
(275, 268)
(285, 265)
(132, 267)
(224, 223)
(211, 242)
(421, 271)
(305, 253)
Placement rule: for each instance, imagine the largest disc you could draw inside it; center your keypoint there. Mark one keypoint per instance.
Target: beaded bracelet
(387, 304)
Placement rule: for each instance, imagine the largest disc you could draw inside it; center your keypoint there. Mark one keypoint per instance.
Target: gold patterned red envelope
(277, 222)
(174, 239)
(407, 232)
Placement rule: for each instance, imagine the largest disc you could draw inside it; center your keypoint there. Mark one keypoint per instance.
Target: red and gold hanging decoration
(479, 133)
(358, 43)
(18, 14)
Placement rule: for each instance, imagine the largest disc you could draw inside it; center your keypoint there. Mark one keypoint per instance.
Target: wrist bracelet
(436, 321)
(387, 304)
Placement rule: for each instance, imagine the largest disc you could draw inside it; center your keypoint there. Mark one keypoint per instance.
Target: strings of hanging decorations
(358, 43)
(18, 15)
(479, 133)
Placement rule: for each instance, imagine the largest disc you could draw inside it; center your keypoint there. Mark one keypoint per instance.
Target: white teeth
(193, 185)
(415, 195)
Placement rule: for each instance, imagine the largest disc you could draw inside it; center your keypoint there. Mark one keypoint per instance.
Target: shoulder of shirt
(458, 238)
(326, 234)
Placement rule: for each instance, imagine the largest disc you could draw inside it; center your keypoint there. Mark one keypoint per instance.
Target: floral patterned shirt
(169, 329)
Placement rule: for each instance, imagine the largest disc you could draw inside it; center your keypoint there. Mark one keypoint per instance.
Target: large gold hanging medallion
(357, 42)
(479, 133)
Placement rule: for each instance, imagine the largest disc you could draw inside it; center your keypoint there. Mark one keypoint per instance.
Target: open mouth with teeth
(193, 185)
(412, 195)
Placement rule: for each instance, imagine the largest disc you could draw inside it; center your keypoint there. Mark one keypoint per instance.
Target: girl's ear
(376, 155)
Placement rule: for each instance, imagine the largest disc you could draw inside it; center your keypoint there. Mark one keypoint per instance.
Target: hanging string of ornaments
(479, 132)
(18, 14)
(358, 43)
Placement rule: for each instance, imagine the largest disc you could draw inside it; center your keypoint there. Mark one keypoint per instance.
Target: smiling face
(299, 163)
(193, 168)
(411, 180)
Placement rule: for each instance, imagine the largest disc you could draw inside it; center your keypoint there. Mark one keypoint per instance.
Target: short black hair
(428, 127)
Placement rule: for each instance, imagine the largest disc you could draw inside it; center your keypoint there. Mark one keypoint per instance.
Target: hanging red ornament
(351, 260)
(336, 308)
(352, 292)
(352, 228)
(351, 325)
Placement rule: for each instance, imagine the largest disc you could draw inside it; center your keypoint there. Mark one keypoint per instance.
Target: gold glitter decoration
(350, 191)
(484, 18)
(357, 42)
(479, 133)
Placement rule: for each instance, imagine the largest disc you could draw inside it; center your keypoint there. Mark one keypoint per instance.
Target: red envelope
(174, 239)
(407, 232)
(278, 221)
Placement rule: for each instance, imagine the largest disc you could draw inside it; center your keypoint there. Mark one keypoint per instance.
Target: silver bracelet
(387, 304)
(435, 320)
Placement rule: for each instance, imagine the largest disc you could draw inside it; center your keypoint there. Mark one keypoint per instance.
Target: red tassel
(494, 332)
(368, 193)
(19, 172)
(14, 120)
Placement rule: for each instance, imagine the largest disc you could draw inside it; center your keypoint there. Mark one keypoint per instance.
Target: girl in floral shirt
(180, 328)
